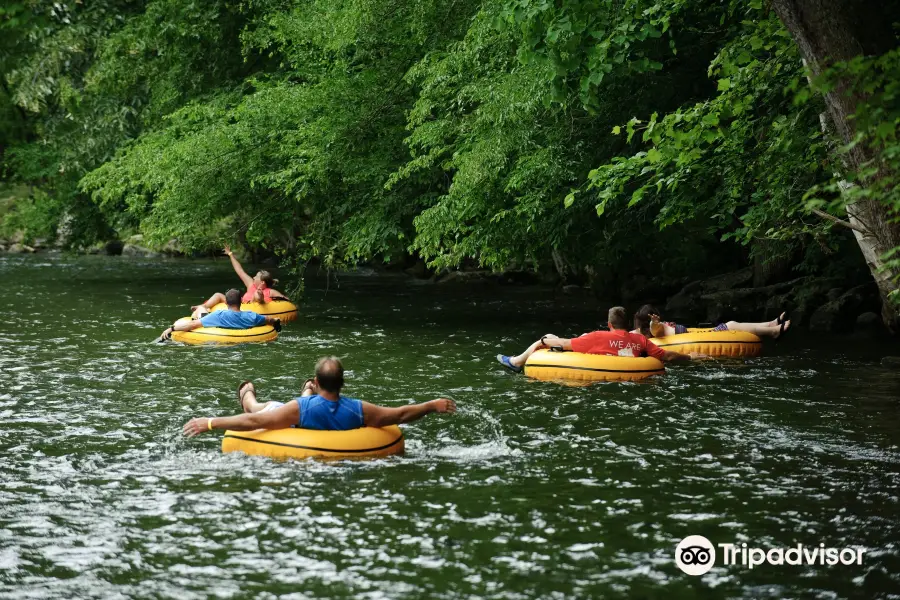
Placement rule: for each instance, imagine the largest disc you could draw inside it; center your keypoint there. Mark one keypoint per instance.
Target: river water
(532, 490)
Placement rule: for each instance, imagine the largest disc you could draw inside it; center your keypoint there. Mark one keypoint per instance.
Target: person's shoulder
(645, 340)
(596, 333)
(314, 399)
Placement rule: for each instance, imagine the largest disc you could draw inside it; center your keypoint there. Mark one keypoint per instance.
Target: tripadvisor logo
(695, 555)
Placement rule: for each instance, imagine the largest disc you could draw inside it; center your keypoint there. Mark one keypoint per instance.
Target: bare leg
(248, 399)
(771, 329)
(774, 322)
(216, 298)
(519, 360)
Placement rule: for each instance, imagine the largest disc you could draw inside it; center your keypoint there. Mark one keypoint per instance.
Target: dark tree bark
(830, 31)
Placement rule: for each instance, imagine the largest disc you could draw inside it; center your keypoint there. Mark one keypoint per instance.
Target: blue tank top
(317, 412)
(229, 319)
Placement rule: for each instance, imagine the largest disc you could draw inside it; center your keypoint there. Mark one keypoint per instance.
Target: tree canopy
(598, 137)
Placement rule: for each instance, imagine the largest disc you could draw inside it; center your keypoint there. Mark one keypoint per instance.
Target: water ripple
(533, 490)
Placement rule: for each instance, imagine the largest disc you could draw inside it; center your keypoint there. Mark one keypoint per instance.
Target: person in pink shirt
(259, 288)
(618, 341)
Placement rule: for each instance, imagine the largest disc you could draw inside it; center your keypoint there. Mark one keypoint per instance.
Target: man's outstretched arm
(184, 326)
(279, 418)
(382, 416)
(187, 325)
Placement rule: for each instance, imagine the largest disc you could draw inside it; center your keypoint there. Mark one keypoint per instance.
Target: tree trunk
(829, 31)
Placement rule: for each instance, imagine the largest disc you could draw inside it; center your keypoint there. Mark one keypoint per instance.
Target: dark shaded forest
(629, 145)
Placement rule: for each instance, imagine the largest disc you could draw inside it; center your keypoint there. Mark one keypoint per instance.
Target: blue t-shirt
(230, 319)
(317, 412)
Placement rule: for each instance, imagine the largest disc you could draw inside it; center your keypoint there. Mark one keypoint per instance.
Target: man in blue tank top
(321, 406)
(232, 318)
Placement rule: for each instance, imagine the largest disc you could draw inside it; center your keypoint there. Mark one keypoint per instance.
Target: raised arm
(382, 416)
(279, 418)
(657, 328)
(248, 281)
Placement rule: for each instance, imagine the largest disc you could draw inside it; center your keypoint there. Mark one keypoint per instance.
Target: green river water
(532, 490)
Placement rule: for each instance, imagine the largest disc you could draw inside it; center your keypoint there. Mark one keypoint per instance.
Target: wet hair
(330, 374)
(267, 278)
(642, 319)
(617, 318)
(233, 297)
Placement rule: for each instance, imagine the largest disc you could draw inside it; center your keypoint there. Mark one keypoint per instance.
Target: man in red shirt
(618, 341)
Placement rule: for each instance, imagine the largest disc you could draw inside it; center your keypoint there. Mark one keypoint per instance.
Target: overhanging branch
(840, 222)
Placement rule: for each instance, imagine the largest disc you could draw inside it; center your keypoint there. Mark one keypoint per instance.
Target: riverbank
(822, 304)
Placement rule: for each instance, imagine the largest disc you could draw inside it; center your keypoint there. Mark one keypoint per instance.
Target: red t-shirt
(615, 341)
(251, 293)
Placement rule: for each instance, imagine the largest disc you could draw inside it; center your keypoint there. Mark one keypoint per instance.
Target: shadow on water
(533, 490)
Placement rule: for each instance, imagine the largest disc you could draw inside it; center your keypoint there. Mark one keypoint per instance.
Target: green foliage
(515, 154)
(741, 159)
(585, 42)
(294, 158)
(602, 137)
(95, 74)
(876, 124)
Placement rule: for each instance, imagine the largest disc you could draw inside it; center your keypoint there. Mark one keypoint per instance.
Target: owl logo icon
(695, 555)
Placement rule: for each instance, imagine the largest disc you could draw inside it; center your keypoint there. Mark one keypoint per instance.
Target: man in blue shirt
(232, 318)
(320, 407)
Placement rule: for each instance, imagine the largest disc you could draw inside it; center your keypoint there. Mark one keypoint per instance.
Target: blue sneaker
(504, 360)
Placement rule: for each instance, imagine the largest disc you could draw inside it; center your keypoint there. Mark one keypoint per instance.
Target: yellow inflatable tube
(283, 309)
(730, 344)
(587, 368)
(365, 442)
(220, 335)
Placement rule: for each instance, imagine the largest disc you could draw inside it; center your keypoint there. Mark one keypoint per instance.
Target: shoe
(504, 360)
(782, 331)
(311, 385)
(243, 388)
